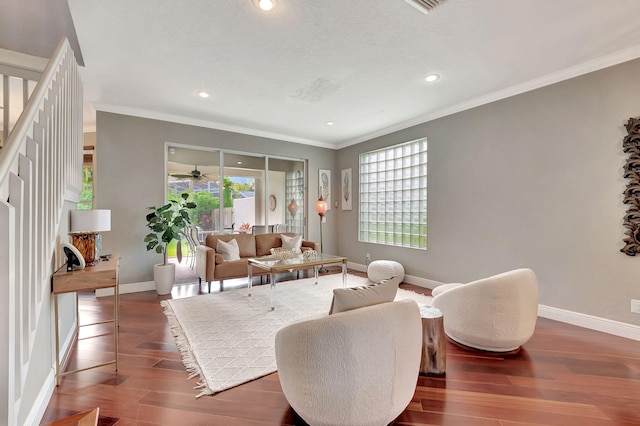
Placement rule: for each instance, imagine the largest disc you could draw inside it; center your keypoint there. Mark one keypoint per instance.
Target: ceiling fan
(195, 174)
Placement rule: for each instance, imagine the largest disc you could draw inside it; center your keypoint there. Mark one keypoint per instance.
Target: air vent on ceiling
(425, 6)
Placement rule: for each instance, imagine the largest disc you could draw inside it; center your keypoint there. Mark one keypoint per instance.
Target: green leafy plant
(166, 223)
(206, 204)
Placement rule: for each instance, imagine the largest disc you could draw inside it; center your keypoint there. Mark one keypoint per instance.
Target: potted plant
(166, 223)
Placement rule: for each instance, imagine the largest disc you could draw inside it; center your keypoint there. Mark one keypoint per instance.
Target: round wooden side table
(434, 344)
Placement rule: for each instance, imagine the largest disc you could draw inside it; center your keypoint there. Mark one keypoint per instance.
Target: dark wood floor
(564, 375)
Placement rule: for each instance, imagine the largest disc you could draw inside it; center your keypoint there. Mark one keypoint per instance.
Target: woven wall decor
(631, 146)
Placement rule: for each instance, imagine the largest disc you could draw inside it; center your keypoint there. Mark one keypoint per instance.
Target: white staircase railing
(39, 162)
(18, 76)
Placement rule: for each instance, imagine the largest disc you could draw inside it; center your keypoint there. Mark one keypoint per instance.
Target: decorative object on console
(631, 147)
(75, 260)
(85, 227)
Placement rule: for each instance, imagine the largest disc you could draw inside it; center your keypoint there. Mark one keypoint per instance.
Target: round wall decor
(272, 202)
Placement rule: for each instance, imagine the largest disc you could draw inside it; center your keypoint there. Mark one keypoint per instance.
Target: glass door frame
(265, 201)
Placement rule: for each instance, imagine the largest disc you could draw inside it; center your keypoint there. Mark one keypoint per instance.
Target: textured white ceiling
(358, 63)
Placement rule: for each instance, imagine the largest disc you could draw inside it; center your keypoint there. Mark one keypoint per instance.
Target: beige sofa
(210, 266)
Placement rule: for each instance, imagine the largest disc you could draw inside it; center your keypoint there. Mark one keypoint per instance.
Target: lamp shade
(321, 206)
(90, 221)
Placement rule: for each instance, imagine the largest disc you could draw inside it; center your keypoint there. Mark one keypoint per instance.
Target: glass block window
(393, 195)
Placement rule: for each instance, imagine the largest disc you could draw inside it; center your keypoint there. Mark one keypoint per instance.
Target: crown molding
(154, 115)
(593, 65)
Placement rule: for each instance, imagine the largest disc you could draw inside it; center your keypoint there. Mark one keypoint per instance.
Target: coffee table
(274, 266)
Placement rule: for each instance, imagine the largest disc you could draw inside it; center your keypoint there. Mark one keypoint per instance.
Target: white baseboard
(591, 322)
(357, 266)
(409, 279)
(34, 417)
(421, 282)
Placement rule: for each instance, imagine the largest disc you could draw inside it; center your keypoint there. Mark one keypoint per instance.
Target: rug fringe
(204, 393)
(188, 359)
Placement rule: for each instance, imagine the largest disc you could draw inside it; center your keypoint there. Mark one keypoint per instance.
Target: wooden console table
(102, 275)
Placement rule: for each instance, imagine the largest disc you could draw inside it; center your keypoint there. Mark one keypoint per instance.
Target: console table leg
(55, 304)
(116, 317)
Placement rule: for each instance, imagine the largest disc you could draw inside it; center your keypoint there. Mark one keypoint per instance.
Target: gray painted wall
(535, 181)
(130, 177)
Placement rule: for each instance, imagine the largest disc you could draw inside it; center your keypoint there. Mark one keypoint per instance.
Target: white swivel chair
(496, 314)
(358, 367)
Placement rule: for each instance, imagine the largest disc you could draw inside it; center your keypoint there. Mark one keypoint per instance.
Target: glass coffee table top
(270, 262)
(274, 265)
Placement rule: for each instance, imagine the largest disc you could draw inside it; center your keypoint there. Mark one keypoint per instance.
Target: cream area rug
(228, 338)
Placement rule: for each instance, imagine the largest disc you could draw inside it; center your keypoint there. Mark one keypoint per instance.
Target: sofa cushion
(265, 242)
(345, 299)
(292, 242)
(228, 250)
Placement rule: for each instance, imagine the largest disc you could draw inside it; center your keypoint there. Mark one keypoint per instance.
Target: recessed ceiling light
(239, 162)
(203, 94)
(431, 78)
(329, 123)
(265, 5)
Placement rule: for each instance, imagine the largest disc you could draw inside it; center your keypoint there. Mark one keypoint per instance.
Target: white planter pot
(164, 277)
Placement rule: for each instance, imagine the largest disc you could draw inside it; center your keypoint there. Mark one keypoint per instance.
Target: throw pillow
(292, 243)
(228, 251)
(345, 299)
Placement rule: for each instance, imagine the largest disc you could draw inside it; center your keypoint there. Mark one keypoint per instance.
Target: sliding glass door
(239, 192)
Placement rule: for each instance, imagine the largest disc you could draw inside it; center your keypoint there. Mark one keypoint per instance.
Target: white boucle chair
(496, 314)
(358, 367)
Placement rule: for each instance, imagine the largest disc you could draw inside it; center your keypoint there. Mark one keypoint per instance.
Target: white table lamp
(85, 226)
